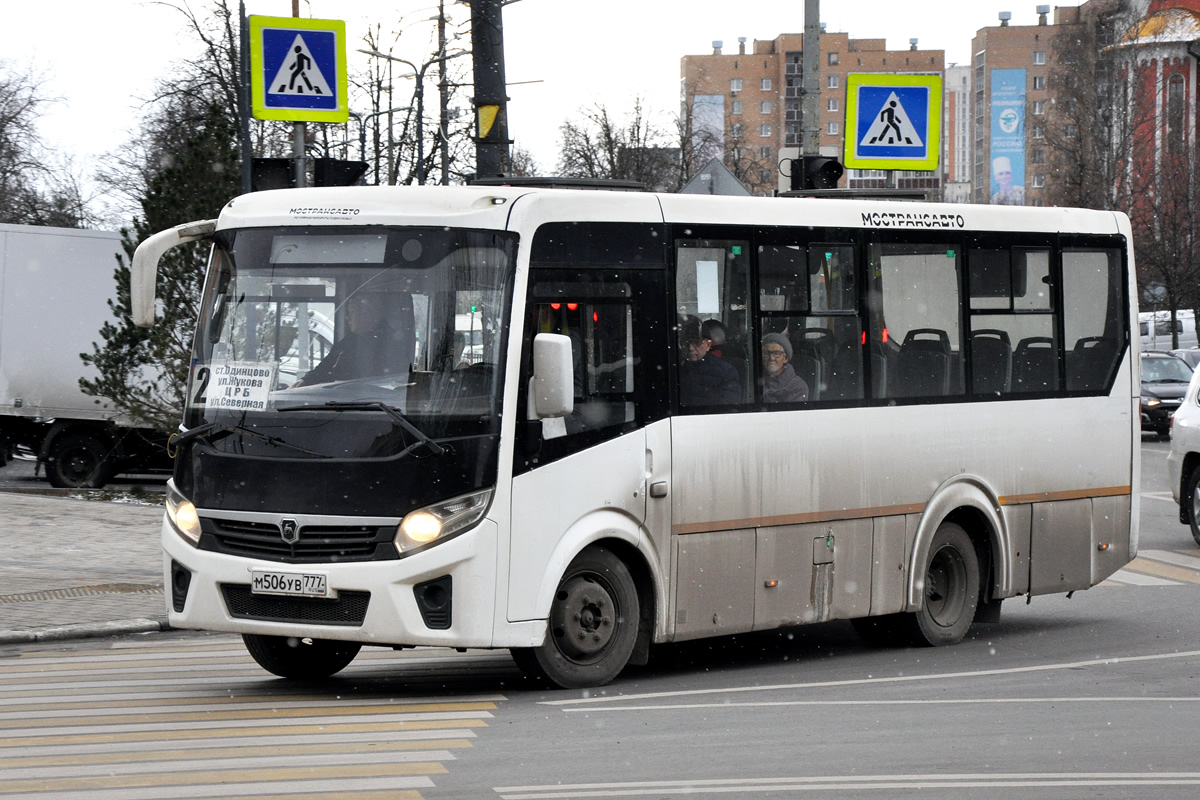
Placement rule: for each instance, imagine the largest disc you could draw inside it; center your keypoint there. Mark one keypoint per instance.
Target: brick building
(746, 106)
(1011, 65)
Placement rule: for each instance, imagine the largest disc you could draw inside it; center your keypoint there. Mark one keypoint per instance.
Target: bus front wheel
(951, 589)
(592, 627)
(300, 659)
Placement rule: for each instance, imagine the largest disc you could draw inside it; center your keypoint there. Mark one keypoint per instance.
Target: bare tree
(596, 145)
(35, 188)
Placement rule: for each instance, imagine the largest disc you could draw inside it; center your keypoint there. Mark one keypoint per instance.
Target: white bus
(577, 489)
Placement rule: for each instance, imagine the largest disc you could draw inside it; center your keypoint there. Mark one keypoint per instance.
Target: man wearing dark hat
(781, 384)
(704, 379)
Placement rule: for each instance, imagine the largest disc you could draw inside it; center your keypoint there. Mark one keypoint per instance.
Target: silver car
(1183, 460)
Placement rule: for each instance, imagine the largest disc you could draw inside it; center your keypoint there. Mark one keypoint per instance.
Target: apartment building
(957, 120)
(1011, 65)
(746, 106)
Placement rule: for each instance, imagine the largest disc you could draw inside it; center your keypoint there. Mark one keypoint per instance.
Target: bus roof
(504, 207)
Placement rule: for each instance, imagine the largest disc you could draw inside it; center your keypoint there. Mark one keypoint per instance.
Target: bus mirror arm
(553, 376)
(143, 272)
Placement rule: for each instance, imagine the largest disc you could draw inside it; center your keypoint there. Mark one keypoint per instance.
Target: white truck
(55, 284)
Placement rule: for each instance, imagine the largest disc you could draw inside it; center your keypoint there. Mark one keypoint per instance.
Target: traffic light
(815, 172)
(272, 173)
(335, 172)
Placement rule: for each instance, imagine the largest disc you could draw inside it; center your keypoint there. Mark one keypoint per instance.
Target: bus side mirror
(553, 390)
(143, 272)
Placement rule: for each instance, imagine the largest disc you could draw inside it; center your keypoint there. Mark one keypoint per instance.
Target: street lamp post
(419, 74)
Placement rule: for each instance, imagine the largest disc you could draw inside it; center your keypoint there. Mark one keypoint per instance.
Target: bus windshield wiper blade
(375, 405)
(208, 428)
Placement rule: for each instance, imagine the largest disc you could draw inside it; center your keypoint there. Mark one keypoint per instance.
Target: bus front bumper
(373, 602)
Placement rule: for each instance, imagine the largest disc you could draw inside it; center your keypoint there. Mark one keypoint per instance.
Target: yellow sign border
(933, 150)
(258, 104)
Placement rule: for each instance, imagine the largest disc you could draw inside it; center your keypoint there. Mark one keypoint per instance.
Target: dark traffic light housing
(335, 172)
(815, 172)
(280, 173)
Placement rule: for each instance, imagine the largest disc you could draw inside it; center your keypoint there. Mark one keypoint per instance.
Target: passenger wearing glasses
(781, 384)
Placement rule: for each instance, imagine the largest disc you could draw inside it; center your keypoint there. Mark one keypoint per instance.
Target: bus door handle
(658, 489)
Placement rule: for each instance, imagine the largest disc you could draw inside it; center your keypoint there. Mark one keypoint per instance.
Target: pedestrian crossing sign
(893, 121)
(298, 69)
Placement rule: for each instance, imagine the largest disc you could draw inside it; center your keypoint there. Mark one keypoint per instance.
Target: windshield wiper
(209, 428)
(374, 405)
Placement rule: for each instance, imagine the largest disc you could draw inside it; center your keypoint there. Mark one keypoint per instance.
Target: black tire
(78, 461)
(951, 589)
(592, 628)
(1191, 495)
(300, 659)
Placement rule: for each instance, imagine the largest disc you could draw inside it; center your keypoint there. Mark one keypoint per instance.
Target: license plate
(288, 583)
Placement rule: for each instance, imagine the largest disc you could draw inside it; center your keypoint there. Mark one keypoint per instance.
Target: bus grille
(317, 543)
(349, 608)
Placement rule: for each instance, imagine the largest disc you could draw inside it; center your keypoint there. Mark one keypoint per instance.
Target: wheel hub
(582, 618)
(945, 586)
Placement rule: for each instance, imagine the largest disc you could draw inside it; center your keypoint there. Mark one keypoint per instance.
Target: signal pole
(491, 115)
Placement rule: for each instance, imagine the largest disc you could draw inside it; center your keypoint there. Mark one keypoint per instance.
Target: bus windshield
(379, 339)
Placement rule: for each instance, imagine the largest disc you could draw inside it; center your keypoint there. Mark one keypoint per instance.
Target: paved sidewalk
(73, 567)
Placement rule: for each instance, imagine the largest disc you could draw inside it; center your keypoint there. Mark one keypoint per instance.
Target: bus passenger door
(586, 476)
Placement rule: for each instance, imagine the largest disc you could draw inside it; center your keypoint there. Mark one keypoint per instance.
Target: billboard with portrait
(1007, 148)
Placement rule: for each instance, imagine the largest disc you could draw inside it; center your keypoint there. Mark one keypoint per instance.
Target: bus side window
(1013, 347)
(1093, 306)
(597, 316)
(809, 295)
(712, 331)
(915, 336)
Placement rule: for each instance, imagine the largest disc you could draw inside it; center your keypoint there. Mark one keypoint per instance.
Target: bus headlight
(181, 513)
(441, 520)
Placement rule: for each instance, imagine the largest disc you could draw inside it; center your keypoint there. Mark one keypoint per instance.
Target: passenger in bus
(780, 382)
(378, 340)
(704, 379)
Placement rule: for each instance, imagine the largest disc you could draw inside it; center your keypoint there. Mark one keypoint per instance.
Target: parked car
(1190, 356)
(1183, 460)
(1165, 379)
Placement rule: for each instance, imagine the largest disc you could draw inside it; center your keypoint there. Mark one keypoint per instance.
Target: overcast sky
(101, 56)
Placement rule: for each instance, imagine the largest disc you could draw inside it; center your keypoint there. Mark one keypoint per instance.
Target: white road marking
(942, 676)
(847, 782)
(1172, 557)
(964, 701)
(1137, 579)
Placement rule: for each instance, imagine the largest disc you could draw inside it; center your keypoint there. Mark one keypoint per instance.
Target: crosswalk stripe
(183, 718)
(255, 711)
(1129, 578)
(325, 749)
(1172, 557)
(141, 733)
(1148, 566)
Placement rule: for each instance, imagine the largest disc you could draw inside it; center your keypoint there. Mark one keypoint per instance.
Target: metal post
(810, 143)
(244, 100)
(421, 127)
(487, 45)
(443, 96)
(299, 131)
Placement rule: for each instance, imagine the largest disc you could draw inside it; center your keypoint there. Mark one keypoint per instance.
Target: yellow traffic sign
(298, 69)
(893, 121)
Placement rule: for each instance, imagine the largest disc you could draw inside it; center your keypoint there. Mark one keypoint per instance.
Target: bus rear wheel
(951, 589)
(300, 659)
(592, 628)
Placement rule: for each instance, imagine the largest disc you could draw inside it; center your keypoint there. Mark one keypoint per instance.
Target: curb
(87, 630)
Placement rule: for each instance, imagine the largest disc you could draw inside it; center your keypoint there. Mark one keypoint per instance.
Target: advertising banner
(1007, 186)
